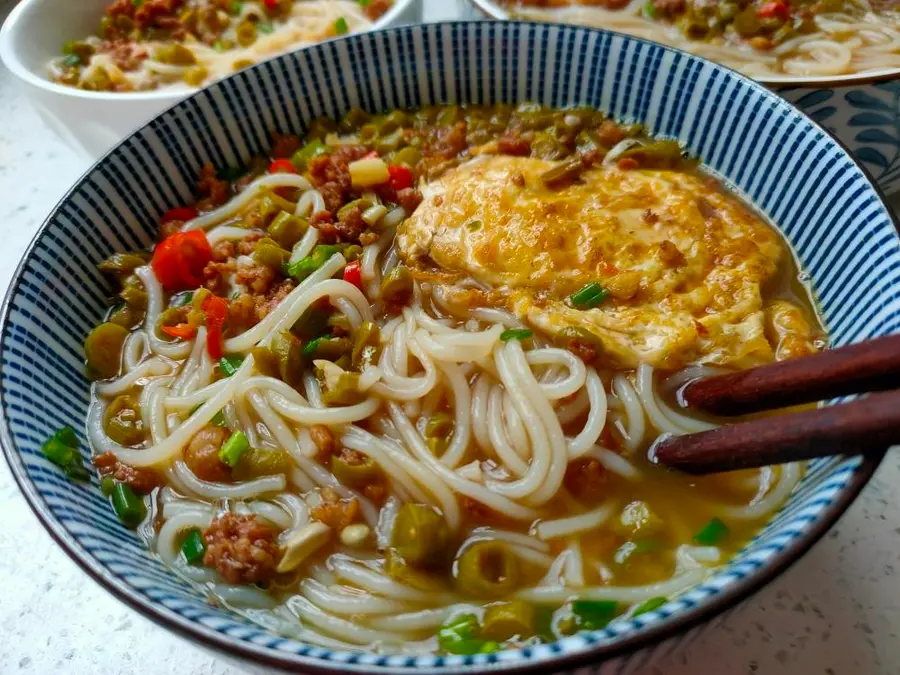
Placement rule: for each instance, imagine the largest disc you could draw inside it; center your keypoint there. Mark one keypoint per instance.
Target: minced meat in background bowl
(861, 110)
(34, 34)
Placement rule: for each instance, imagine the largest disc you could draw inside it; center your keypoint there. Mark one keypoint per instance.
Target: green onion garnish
(459, 635)
(230, 364)
(264, 27)
(306, 266)
(107, 485)
(127, 505)
(62, 449)
(233, 448)
(712, 533)
(193, 547)
(313, 345)
(236, 7)
(590, 295)
(341, 27)
(217, 420)
(649, 606)
(516, 334)
(594, 614)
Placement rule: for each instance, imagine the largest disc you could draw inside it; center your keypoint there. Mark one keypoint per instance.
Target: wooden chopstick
(873, 365)
(870, 424)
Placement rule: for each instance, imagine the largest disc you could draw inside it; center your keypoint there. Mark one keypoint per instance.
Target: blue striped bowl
(773, 155)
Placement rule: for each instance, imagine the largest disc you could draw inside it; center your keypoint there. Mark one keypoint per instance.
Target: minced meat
(241, 548)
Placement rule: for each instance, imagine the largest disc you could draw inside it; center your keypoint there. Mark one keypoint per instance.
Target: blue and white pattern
(792, 170)
(864, 117)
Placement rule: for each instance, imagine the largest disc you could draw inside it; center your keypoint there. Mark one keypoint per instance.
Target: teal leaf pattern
(860, 99)
(822, 114)
(876, 116)
(870, 119)
(815, 97)
(872, 156)
(877, 136)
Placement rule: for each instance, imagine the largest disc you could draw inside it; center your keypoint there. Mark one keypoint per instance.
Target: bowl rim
(491, 9)
(9, 57)
(594, 654)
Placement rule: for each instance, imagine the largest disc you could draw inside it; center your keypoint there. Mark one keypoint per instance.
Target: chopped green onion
(233, 448)
(193, 547)
(459, 635)
(264, 27)
(230, 173)
(62, 449)
(217, 420)
(230, 364)
(306, 266)
(649, 606)
(516, 334)
(594, 614)
(712, 533)
(71, 60)
(183, 299)
(313, 345)
(473, 226)
(341, 27)
(236, 7)
(127, 505)
(107, 485)
(590, 295)
(650, 10)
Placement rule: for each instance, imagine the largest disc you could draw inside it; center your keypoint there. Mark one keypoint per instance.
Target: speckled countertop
(836, 612)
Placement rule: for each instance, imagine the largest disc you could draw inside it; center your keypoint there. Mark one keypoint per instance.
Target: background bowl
(863, 111)
(794, 172)
(92, 122)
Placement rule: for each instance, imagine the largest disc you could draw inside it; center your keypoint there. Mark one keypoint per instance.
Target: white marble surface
(836, 612)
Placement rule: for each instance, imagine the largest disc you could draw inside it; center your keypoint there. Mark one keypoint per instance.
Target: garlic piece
(302, 545)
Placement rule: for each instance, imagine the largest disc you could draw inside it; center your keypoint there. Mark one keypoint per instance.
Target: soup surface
(147, 44)
(762, 38)
(392, 387)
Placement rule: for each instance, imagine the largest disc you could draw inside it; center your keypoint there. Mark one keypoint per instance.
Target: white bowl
(92, 122)
(861, 110)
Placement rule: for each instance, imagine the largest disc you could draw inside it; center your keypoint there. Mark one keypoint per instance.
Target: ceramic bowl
(862, 111)
(92, 122)
(775, 157)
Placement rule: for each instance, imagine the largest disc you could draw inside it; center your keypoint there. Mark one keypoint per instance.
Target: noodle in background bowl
(779, 160)
(92, 122)
(862, 111)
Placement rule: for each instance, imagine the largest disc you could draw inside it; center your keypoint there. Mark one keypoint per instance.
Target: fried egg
(684, 262)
